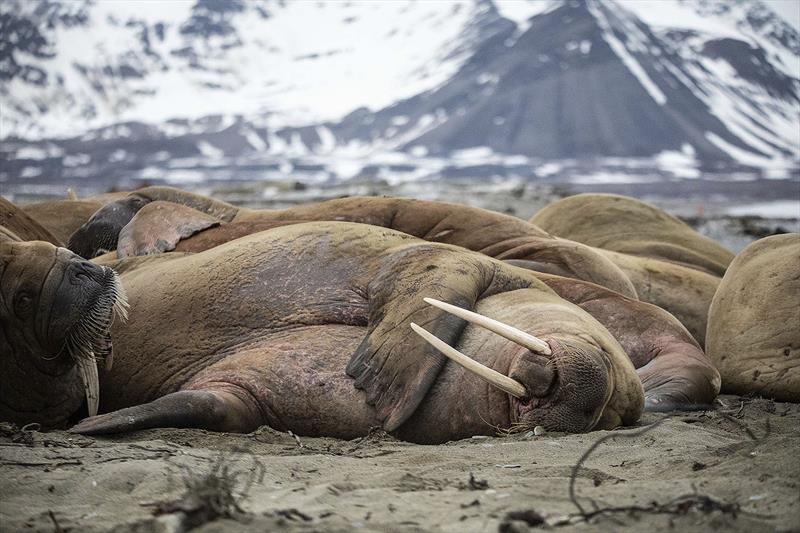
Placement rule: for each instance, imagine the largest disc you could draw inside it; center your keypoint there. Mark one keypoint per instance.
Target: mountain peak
(501, 81)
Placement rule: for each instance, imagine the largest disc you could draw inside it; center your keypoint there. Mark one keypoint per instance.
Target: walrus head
(56, 310)
(100, 233)
(567, 383)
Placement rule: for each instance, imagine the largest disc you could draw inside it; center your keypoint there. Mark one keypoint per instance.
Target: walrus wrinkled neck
(31, 396)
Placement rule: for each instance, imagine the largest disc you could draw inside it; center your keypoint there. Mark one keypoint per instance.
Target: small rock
(477, 484)
(539, 431)
(520, 521)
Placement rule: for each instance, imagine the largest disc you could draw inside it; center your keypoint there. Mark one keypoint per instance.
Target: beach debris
(477, 484)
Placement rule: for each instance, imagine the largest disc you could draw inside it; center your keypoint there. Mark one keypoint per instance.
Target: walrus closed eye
(57, 310)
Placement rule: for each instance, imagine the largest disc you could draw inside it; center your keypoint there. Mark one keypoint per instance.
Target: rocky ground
(734, 468)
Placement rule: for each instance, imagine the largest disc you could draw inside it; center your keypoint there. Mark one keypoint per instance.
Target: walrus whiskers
(88, 339)
(493, 377)
(511, 333)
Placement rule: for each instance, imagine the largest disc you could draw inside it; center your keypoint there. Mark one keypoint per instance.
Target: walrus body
(158, 227)
(675, 372)
(683, 291)
(629, 226)
(261, 330)
(197, 223)
(754, 321)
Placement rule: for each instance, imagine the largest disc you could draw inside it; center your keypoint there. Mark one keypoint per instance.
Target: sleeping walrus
(197, 223)
(623, 224)
(307, 328)
(754, 321)
(207, 222)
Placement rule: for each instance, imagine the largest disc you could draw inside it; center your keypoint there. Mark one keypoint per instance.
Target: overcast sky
(788, 9)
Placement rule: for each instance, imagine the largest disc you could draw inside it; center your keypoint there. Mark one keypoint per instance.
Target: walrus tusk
(493, 377)
(87, 366)
(511, 333)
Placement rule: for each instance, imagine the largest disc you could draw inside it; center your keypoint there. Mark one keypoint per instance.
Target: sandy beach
(734, 468)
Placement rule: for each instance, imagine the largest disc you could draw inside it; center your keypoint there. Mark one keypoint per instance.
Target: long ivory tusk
(87, 366)
(493, 377)
(511, 333)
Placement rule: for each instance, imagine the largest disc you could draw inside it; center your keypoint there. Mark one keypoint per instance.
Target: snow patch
(254, 140)
(117, 156)
(779, 209)
(548, 169)
(31, 172)
(743, 156)
(38, 153)
(327, 140)
(521, 11)
(210, 151)
(477, 154)
(76, 160)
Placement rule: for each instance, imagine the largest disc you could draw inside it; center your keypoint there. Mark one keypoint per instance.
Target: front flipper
(214, 411)
(393, 365)
(159, 226)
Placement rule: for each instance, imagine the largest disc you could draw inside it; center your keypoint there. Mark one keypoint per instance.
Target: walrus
(754, 320)
(682, 290)
(669, 263)
(25, 228)
(161, 227)
(55, 313)
(623, 224)
(308, 328)
(62, 217)
(675, 372)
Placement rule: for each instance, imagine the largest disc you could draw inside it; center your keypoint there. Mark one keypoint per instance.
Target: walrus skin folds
(306, 328)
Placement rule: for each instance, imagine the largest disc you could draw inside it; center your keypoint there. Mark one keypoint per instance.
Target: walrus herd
(435, 321)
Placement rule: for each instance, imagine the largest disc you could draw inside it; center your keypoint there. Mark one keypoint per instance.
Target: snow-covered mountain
(247, 89)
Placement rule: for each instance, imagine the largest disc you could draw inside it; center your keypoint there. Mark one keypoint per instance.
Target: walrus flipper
(159, 226)
(393, 365)
(211, 410)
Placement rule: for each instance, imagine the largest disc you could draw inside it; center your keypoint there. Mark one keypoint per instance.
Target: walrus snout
(582, 385)
(101, 232)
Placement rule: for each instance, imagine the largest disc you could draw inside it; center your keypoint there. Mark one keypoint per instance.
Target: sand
(737, 466)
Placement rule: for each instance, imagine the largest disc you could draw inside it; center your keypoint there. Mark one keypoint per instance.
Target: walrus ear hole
(23, 304)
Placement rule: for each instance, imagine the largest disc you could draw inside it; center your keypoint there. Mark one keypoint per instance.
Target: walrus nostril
(92, 269)
(535, 372)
